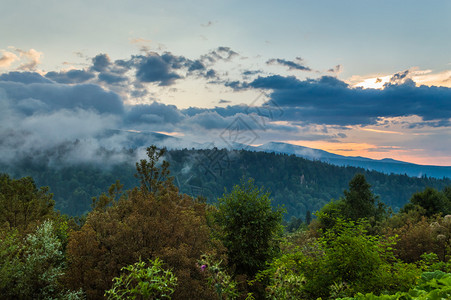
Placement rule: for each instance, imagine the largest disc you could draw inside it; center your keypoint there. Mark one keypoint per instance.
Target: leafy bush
(432, 200)
(23, 205)
(147, 223)
(343, 261)
(31, 268)
(431, 286)
(219, 280)
(284, 278)
(249, 228)
(142, 282)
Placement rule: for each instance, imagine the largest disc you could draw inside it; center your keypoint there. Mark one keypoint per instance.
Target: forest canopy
(298, 184)
(152, 241)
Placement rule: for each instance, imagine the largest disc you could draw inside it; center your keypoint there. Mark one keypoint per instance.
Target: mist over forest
(225, 150)
(302, 186)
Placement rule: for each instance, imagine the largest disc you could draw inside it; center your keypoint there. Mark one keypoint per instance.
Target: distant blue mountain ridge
(386, 165)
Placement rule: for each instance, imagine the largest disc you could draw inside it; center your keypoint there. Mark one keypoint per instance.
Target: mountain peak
(386, 165)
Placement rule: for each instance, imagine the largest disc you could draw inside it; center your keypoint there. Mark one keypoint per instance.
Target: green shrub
(284, 278)
(345, 260)
(142, 282)
(250, 228)
(431, 286)
(32, 268)
(218, 279)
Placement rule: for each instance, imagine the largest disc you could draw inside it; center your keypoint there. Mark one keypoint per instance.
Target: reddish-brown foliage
(170, 226)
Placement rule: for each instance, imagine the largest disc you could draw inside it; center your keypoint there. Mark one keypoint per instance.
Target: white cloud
(420, 77)
(33, 58)
(7, 58)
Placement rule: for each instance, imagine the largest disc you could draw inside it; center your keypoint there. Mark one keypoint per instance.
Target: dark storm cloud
(102, 68)
(111, 78)
(251, 72)
(210, 74)
(154, 113)
(100, 62)
(155, 68)
(235, 85)
(175, 61)
(72, 76)
(210, 120)
(48, 108)
(328, 100)
(41, 92)
(124, 64)
(38, 115)
(440, 123)
(196, 66)
(163, 69)
(53, 122)
(255, 118)
(399, 77)
(248, 73)
(228, 111)
(169, 117)
(24, 77)
(276, 82)
(292, 65)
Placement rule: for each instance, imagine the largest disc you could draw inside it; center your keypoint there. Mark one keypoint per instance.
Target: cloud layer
(328, 100)
(86, 109)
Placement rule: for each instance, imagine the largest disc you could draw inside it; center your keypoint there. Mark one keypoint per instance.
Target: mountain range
(386, 165)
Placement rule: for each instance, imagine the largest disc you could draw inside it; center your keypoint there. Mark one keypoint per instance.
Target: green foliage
(32, 268)
(218, 278)
(249, 228)
(430, 262)
(152, 176)
(43, 262)
(23, 204)
(307, 185)
(294, 224)
(308, 217)
(330, 213)
(284, 278)
(447, 192)
(418, 235)
(31, 265)
(10, 264)
(432, 200)
(144, 223)
(105, 200)
(363, 262)
(431, 286)
(360, 202)
(74, 185)
(139, 281)
(343, 261)
(157, 221)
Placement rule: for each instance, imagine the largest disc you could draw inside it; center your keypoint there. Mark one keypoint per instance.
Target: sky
(356, 78)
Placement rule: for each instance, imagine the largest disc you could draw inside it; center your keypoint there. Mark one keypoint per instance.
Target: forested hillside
(298, 184)
(153, 242)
